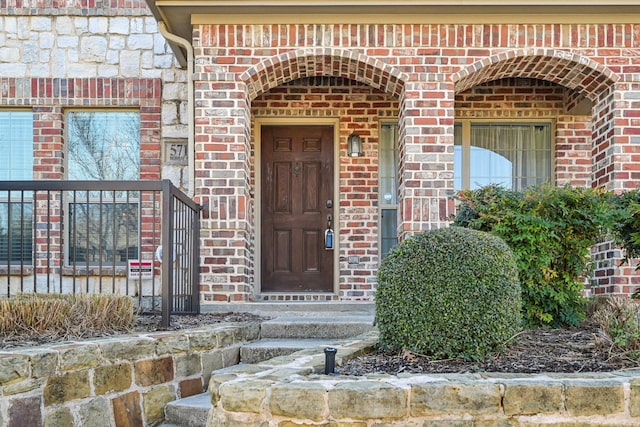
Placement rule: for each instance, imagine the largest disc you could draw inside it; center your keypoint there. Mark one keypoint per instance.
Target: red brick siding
(79, 7)
(429, 70)
(48, 98)
(573, 151)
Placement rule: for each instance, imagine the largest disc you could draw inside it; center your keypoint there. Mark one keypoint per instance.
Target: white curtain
(512, 154)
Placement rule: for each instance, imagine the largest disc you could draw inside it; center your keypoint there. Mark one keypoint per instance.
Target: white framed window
(512, 154)
(388, 187)
(16, 209)
(103, 227)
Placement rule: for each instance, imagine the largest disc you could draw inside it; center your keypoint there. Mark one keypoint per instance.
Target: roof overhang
(180, 15)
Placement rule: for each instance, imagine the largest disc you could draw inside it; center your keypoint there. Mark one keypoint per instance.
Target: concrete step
(188, 412)
(316, 327)
(275, 309)
(268, 348)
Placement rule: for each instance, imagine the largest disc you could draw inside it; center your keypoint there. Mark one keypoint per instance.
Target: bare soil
(583, 349)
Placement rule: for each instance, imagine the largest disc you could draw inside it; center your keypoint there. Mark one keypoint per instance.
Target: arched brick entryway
(584, 77)
(590, 82)
(346, 86)
(296, 64)
(568, 69)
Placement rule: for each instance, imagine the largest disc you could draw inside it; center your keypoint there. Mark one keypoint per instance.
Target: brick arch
(567, 69)
(300, 63)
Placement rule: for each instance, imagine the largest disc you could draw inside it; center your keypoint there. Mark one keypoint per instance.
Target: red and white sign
(140, 269)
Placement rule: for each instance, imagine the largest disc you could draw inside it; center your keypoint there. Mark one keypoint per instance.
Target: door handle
(328, 235)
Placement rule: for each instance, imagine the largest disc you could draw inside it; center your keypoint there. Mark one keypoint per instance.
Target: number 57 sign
(177, 153)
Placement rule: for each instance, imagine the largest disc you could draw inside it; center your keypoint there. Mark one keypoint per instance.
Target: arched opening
(347, 93)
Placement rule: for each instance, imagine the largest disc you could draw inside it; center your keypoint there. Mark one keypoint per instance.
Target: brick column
(426, 156)
(616, 160)
(223, 153)
(573, 151)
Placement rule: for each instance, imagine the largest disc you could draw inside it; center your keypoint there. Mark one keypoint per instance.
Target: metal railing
(101, 237)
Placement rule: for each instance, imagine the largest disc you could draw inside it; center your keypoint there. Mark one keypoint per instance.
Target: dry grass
(63, 316)
(619, 318)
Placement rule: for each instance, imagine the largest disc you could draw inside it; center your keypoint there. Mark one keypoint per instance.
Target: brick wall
(90, 54)
(362, 108)
(573, 150)
(49, 98)
(570, 74)
(426, 76)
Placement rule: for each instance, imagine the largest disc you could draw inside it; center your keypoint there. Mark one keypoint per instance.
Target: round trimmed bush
(449, 293)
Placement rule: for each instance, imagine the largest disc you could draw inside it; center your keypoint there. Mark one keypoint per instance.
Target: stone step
(268, 348)
(316, 327)
(275, 309)
(279, 337)
(188, 412)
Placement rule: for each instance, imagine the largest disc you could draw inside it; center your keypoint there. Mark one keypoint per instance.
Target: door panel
(297, 181)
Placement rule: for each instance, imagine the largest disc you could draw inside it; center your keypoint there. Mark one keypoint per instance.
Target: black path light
(329, 360)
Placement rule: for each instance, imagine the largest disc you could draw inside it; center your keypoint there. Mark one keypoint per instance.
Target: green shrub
(627, 226)
(551, 231)
(451, 292)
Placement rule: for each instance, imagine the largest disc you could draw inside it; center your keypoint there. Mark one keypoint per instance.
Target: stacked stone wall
(290, 391)
(119, 382)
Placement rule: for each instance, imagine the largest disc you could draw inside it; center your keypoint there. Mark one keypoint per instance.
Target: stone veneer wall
(120, 381)
(48, 53)
(285, 392)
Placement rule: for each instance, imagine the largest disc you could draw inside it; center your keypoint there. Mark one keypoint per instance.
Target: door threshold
(299, 297)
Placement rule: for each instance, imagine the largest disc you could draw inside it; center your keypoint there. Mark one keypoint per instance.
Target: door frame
(259, 122)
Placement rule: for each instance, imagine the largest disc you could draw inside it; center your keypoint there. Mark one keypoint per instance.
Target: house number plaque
(177, 153)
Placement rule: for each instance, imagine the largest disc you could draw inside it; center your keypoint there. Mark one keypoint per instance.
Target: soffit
(180, 15)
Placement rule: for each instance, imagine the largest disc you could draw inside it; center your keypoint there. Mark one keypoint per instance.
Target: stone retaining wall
(285, 392)
(113, 382)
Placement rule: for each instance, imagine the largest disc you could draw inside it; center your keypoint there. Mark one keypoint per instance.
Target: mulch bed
(574, 350)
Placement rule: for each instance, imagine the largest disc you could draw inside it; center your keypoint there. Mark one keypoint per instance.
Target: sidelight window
(388, 171)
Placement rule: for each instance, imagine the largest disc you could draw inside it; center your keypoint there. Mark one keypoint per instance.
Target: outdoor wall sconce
(354, 145)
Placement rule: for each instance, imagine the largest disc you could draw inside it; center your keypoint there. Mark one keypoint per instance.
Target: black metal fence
(101, 237)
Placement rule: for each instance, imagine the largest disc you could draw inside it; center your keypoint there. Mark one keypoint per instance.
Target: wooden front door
(297, 197)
